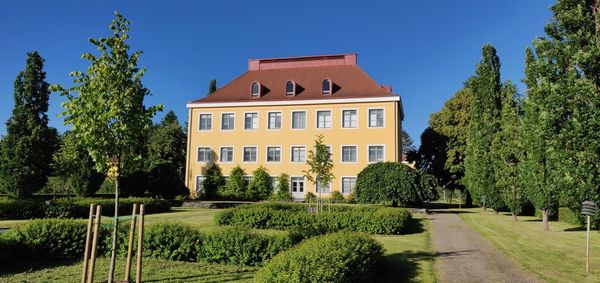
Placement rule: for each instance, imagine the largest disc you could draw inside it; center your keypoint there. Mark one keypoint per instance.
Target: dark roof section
(349, 80)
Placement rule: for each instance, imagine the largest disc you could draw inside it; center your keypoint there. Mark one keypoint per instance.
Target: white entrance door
(297, 187)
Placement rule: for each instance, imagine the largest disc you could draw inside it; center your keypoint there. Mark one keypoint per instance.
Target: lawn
(554, 256)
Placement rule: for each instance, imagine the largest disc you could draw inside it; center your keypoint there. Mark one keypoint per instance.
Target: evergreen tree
(26, 150)
(167, 144)
(213, 183)
(407, 143)
(283, 192)
(260, 188)
(507, 150)
(212, 86)
(236, 186)
(484, 112)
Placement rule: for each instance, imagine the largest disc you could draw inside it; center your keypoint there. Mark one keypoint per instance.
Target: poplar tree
(26, 150)
(212, 86)
(484, 122)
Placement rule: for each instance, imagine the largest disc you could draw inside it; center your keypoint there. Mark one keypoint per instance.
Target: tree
(167, 144)
(165, 181)
(507, 149)
(213, 183)
(320, 171)
(26, 150)
(212, 86)
(388, 182)
(260, 188)
(237, 184)
(484, 122)
(74, 164)
(562, 109)
(407, 143)
(106, 108)
(283, 192)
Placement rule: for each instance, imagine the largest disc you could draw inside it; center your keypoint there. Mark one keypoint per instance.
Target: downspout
(188, 155)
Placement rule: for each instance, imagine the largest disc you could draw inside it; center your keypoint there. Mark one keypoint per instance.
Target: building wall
(336, 136)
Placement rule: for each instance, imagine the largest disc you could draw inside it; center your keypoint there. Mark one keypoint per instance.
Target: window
(226, 154)
(348, 184)
(298, 154)
(250, 154)
(274, 182)
(227, 121)
(204, 154)
(273, 154)
(349, 119)
(290, 88)
(297, 184)
(255, 89)
(274, 121)
(375, 118)
(323, 119)
(349, 153)
(326, 87)
(205, 122)
(375, 153)
(323, 189)
(200, 184)
(299, 120)
(250, 121)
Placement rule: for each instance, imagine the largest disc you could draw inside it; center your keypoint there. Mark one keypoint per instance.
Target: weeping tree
(106, 108)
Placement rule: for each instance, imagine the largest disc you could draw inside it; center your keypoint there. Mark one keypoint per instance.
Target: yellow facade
(361, 137)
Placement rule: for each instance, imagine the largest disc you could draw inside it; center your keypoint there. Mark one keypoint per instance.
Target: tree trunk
(545, 219)
(394, 203)
(514, 216)
(113, 251)
(451, 196)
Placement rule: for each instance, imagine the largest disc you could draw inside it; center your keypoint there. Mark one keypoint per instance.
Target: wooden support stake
(94, 244)
(88, 239)
(131, 238)
(138, 271)
(587, 248)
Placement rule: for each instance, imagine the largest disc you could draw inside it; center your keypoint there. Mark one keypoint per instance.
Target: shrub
(166, 182)
(338, 257)
(260, 187)
(134, 184)
(282, 192)
(337, 197)
(310, 197)
(21, 209)
(172, 242)
(568, 216)
(388, 182)
(214, 180)
(236, 185)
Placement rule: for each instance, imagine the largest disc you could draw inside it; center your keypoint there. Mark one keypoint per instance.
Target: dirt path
(462, 255)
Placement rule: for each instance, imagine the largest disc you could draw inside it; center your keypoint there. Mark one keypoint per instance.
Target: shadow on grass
(20, 266)
(404, 267)
(576, 229)
(415, 226)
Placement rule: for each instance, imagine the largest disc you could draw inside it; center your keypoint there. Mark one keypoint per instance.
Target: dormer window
(255, 89)
(290, 88)
(326, 87)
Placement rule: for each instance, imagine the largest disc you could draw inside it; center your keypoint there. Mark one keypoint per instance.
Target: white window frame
(197, 177)
(304, 182)
(293, 93)
(329, 188)
(232, 153)
(342, 184)
(267, 153)
(244, 153)
(317, 119)
(369, 117)
(234, 119)
(253, 124)
(292, 120)
(197, 155)
(342, 153)
(269, 120)
(342, 117)
(292, 153)
(368, 150)
(200, 121)
(259, 90)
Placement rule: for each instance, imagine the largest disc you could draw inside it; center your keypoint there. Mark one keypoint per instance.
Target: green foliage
(367, 219)
(212, 86)
(337, 197)
(166, 182)
(320, 163)
(214, 182)
(388, 182)
(485, 118)
(407, 142)
(339, 257)
(310, 197)
(172, 241)
(236, 186)
(283, 192)
(567, 215)
(135, 183)
(26, 149)
(167, 144)
(260, 187)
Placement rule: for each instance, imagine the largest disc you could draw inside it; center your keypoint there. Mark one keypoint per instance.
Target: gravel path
(462, 255)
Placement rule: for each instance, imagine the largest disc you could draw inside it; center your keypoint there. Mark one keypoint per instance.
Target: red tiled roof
(349, 80)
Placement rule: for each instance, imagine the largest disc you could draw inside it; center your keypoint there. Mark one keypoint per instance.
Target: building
(271, 114)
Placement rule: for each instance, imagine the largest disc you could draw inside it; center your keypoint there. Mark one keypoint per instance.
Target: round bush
(337, 257)
(388, 182)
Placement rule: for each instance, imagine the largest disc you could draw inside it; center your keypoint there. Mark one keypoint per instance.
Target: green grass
(554, 256)
(153, 271)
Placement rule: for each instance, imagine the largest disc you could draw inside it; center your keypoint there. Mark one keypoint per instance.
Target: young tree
(237, 184)
(507, 149)
(484, 122)
(213, 183)
(106, 108)
(260, 188)
(212, 86)
(319, 160)
(26, 150)
(167, 144)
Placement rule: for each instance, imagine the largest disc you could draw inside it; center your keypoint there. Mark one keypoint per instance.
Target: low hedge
(75, 207)
(566, 215)
(367, 219)
(337, 257)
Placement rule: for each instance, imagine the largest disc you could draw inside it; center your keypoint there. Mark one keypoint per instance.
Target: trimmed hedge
(566, 215)
(74, 207)
(338, 257)
(367, 219)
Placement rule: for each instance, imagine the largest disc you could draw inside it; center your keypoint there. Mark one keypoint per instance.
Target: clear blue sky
(424, 49)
